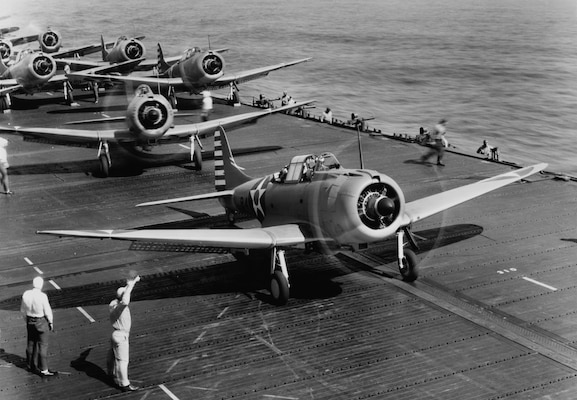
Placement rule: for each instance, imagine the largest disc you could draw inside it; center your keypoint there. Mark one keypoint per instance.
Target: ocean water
(500, 70)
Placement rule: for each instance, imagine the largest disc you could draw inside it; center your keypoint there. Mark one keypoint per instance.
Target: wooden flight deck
(492, 315)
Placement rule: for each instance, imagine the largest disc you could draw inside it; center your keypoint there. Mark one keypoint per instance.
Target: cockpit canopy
(190, 52)
(302, 168)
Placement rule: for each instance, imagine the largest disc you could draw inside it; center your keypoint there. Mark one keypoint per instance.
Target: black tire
(197, 158)
(230, 217)
(104, 165)
(279, 289)
(408, 267)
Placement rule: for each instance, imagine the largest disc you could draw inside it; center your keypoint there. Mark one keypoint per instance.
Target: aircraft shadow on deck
(311, 277)
(430, 239)
(125, 165)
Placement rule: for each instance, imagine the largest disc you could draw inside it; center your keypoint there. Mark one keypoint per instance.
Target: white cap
(3, 142)
(37, 283)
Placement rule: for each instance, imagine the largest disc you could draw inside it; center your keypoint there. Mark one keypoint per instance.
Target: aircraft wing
(11, 84)
(90, 68)
(68, 136)
(23, 40)
(78, 51)
(9, 89)
(427, 206)
(208, 127)
(177, 83)
(254, 238)
(251, 74)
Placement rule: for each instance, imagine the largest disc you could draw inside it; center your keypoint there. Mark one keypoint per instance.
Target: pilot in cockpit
(190, 52)
(281, 175)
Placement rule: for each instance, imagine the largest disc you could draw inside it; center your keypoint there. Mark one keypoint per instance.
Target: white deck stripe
(38, 270)
(540, 284)
(28, 261)
(200, 388)
(272, 396)
(168, 392)
(222, 313)
(54, 284)
(83, 311)
(199, 338)
(172, 366)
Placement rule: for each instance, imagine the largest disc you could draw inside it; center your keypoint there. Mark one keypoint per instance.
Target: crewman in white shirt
(37, 312)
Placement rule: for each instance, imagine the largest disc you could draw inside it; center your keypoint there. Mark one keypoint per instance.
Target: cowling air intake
(6, 50)
(50, 41)
(149, 116)
(378, 205)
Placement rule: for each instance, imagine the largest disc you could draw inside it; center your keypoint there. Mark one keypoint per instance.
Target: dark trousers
(37, 348)
(437, 149)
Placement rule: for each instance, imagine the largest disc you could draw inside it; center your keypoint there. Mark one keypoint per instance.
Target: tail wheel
(104, 165)
(279, 288)
(408, 266)
(197, 158)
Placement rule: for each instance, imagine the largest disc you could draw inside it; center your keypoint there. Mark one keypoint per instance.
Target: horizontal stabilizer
(215, 195)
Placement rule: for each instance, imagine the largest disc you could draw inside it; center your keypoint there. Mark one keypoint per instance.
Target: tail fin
(161, 64)
(104, 51)
(227, 175)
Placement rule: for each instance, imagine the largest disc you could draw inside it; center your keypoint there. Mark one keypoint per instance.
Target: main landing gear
(407, 258)
(195, 152)
(279, 284)
(104, 158)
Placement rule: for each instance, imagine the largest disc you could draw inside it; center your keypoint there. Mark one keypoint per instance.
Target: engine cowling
(126, 50)
(33, 69)
(366, 207)
(149, 115)
(6, 50)
(50, 41)
(203, 68)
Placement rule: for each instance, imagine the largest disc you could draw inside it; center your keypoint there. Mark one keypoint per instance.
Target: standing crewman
(206, 105)
(36, 309)
(118, 354)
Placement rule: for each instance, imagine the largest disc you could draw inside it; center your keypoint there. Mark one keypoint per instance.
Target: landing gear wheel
(197, 158)
(104, 165)
(230, 217)
(408, 266)
(279, 289)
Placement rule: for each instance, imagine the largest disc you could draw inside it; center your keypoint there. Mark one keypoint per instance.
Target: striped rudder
(227, 175)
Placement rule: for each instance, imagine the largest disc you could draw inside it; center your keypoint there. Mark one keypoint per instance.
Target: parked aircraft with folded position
(50, 41)
(30, 71)
(34, 69)
(123, 56)
(197, 70)
(150, 122)
(314, 202)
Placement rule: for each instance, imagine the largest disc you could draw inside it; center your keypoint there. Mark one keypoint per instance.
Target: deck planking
(471, 327)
